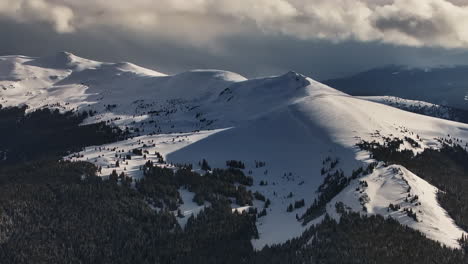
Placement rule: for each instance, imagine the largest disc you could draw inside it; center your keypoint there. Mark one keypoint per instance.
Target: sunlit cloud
(430, 23)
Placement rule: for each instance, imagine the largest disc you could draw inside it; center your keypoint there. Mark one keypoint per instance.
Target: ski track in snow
(290, 122)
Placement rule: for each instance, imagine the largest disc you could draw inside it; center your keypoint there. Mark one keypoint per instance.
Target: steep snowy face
(395, 192)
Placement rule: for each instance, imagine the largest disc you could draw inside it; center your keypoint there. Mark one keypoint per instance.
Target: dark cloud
(323, 40)
(439, 23)
(429, 23)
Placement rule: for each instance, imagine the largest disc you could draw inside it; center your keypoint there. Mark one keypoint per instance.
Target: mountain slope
(283, 128)
(423, 108)
(447, 86)
(397, 186)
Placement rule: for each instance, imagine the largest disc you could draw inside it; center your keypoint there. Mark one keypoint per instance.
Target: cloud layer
(429, 23)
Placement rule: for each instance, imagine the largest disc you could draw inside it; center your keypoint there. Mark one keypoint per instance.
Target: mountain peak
(63, 57)
(63, 60)
(296, 79)
(292, 74)
(65, 54)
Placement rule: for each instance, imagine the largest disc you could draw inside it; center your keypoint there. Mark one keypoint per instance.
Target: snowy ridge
(445, 85)
(399, 187)
(290, 122)
(420, 107)
(63, 60)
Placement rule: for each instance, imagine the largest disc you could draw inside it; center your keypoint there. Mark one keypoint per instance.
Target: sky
(320, 38)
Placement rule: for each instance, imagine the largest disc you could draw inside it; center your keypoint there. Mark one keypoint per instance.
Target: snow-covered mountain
(293, 124)
(421, 107)
(447, 86)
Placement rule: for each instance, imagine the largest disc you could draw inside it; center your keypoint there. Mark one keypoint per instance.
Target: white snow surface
(290, 122)
(398, 186)
(414, 106)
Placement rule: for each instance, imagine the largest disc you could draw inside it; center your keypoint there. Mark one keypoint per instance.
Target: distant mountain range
(446, 86)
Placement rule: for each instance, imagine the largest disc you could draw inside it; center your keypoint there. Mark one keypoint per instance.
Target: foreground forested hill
(54, 211)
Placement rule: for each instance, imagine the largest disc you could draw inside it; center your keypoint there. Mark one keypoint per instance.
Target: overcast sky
(320, 38)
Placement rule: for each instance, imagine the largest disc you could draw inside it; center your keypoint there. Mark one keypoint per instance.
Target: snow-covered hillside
(396, 187)
(288, 123)
(420, 107)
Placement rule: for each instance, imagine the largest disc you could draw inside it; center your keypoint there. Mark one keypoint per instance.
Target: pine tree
(113, 176)
(205, 166)
(179, 214)
(262, 213)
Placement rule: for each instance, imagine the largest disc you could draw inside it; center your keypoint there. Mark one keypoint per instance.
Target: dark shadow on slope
(286, 143)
